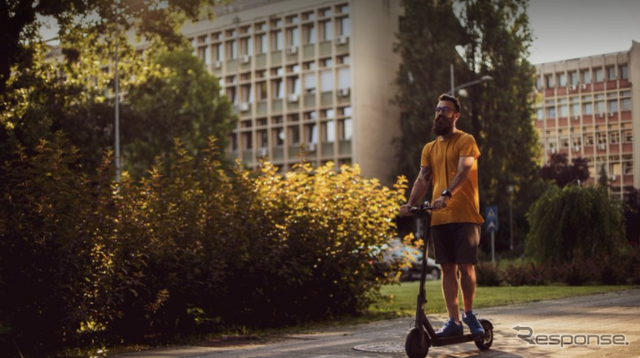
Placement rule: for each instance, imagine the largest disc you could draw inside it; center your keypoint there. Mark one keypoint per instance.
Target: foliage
(562, 174)
(173, 97)
(20, 19)
(487, 274)
(426, 48)
(523, 273)
(500, 37)
(574, 221)
(83, 259)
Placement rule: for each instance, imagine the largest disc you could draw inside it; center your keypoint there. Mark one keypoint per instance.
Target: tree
(427, 48)
(559, 170)
(559, 231)
(499, 35)
(175, 98)
(19, 23)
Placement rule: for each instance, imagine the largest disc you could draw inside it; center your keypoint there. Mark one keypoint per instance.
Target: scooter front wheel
(486, 341)
(416, 347)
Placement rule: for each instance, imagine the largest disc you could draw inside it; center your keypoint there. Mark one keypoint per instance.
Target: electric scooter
(423, 336)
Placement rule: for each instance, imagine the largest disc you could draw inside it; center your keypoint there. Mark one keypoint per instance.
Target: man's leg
(450, 289)
(468, 285)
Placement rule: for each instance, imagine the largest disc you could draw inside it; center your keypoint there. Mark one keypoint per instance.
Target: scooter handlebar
(422, 208)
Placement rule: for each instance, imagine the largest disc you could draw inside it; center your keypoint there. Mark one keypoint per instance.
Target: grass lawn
(400, 300)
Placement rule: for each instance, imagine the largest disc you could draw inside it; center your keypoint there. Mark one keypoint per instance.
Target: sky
(566, 29)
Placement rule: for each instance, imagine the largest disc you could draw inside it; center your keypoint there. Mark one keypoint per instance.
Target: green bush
(88, 261)
(572, 221)
(487, 274)
(523, 273)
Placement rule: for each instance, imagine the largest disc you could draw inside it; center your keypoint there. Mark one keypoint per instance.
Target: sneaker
(450, 328)
(470, 319)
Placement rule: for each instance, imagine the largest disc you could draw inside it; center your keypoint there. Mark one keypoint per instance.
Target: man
(450, 161)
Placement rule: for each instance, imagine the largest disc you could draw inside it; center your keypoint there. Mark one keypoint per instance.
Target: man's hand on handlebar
(405, 210)
(440, 203)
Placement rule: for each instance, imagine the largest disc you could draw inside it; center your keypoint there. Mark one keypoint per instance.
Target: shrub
(574, 220)
(186, 249)
(487, 274)
(523, 273)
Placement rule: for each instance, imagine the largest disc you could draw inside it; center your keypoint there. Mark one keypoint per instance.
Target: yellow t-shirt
(442, 157)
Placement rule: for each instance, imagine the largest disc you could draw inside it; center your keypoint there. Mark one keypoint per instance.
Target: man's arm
(419, 189)
(464, 167)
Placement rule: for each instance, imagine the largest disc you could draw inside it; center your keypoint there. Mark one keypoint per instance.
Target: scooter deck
(445, 341)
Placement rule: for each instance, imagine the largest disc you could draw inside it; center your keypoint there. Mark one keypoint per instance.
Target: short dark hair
(452, 99)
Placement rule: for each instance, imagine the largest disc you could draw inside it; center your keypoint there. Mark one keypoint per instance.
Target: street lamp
(510, 191)
(468, 84)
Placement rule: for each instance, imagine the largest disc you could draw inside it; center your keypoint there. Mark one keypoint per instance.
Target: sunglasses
(445, 110)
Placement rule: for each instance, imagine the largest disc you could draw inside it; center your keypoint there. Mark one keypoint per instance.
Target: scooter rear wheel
(486, 341)
(412, 345)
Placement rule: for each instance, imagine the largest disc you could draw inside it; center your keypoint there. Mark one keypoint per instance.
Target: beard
(442, 125)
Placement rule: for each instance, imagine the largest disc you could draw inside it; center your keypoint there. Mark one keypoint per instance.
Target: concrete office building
(589, 107)
(313, 72)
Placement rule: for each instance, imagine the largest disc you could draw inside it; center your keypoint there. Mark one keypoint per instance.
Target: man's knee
(449, 269)
(467, 270)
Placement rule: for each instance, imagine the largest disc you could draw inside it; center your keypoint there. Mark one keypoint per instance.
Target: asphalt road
(603, 317)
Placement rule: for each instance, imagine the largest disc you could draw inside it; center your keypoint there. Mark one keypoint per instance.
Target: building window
(344, 26)
(325, 12)
(624, 72)
(261, 44)
(247, 141)
(344, 60)
(613, 106)
(539, 114)
(573, 78)
(309, 33)
(599, 75)
(326, 31)
(278, 137)
(587, 109)
(586, 76)
(261, 88)
(294, 85)
(232, 50)
(614, 137)
(602, 138)
(309, 66)
(551, 112)
(611, 73)
(575, 109)
(588, 139)
(628, 136)
(562, 79)
(246, 46)
(310, 83)
(626, 104)
(277, 40)
(538, 82)
(246, 93)
(294, 135)
(278, 89)
(344, 78)
(311, 15)
(600, 107)
(293, 36)
(311, 133)
(329, 132)
(342, 9)
(345, 129)
(203, 54)
(326, 81)
(628, 168)
(548, 81)
(563, 111)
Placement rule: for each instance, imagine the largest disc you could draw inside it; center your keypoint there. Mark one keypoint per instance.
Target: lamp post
(117, 109)
(468, 84)
(510, 191)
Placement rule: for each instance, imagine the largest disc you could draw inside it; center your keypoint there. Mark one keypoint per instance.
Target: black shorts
(456, 243)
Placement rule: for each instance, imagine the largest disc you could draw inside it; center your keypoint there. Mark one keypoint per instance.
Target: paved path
(611, 313)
